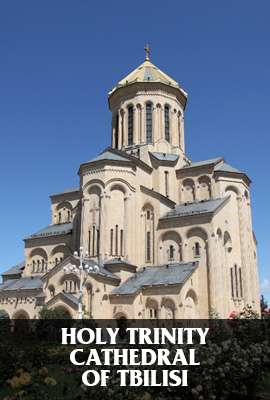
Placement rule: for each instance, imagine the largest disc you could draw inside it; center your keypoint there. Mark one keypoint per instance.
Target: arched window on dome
(167, 122)
(149, 122)
(130, 125)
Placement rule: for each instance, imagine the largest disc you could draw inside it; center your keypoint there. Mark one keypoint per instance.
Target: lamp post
(82, 271)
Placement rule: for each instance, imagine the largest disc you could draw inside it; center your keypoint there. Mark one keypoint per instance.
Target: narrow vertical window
(98, 239)
(232, 288)
(130, 125)
(167, 122)
(34, 266)
(171, 253)
(69, 216)
(111, 242)
(122, 242)
(166, 174)
(197, 249)
(116, 239)
(93, 241)
(179, 128)
(89, 242)
(240, 282)
(148, 246)
(59, 217)
(149, 122)
(116, 135)
(236, 281)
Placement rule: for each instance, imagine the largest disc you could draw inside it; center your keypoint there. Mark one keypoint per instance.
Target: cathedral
(148, 233)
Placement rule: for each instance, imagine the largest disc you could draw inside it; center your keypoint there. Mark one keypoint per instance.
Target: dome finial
(147, 52)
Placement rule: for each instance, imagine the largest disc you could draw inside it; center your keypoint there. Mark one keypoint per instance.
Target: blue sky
(58, 59)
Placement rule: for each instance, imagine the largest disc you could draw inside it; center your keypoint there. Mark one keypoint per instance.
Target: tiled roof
(169, 274)
(204, 162)
(146, 72)
(165, 156)
(113, 261)
(72, 190)
(188, 209)
(15, 270)
(224, 167)
(71, 297)
(26, 283)
(52, 230)
(108, 155)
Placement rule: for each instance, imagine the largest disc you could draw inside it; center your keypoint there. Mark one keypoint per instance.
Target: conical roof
(147, 72)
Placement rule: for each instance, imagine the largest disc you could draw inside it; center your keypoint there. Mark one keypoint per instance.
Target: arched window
(152, 308)
(179, 127)
(52, 290)
(148, 246)
(166, 175)
(171, 252)
(236, 282)
(122, 242)
(116, 240)
(232, 282)
(130, 125)
(197, 249)
(111, 242)
(167, 122)
(149, 122)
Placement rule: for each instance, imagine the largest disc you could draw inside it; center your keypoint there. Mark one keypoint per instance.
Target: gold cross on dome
(147, 52)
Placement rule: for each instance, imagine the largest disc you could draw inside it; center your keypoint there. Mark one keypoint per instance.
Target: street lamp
(82, 271)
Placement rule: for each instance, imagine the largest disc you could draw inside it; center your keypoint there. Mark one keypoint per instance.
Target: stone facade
(172, 238)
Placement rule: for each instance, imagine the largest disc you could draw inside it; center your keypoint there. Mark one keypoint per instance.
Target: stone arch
(170, 246)
(64, 212)
(116, 220)
(63, 204)
(94, 182)
(152, 308)
(70, 283)
(197, 231)
(227, 241)
(21, 314)
(64, 311)
(125, 185)
(190, 305)
(191, 293)
(169, 307)
(188, 191)
(38, 260)
(205, 192)
(58, 254)
(197, 238)
(40, 252)
(232, 188)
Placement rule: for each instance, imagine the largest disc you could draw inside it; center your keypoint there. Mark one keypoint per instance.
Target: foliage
(55, 313)
(246, 313)
(265, 310)
(4, 314)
